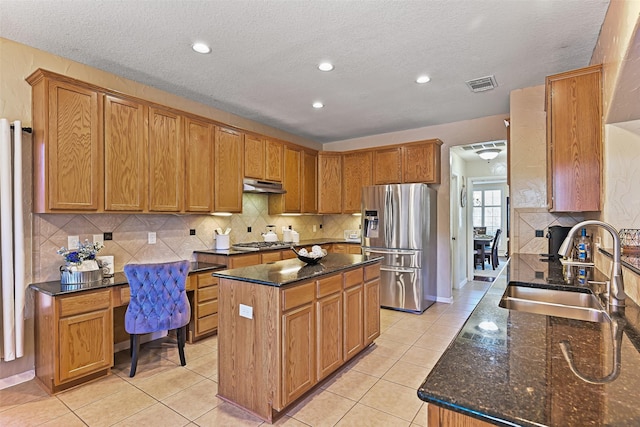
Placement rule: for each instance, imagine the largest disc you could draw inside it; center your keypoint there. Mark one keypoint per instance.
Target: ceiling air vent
(482, 84)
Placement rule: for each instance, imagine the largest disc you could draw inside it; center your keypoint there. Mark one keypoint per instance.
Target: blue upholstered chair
(158, 303)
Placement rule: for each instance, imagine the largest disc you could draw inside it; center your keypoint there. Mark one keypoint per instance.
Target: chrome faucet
(616, 294)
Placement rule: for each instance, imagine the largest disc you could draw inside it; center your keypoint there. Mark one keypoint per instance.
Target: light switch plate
(72, 242)
(246, 311)
(152, 237)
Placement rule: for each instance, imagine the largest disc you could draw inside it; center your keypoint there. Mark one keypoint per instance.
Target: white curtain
(12, 253)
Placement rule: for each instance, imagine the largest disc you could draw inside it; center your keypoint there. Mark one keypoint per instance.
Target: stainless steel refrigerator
(399, 224)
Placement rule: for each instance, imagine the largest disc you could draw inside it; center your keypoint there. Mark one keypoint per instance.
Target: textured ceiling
(265, 53)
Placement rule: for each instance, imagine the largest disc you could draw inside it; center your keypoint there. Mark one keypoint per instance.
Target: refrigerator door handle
(398, 270)
(391, 252)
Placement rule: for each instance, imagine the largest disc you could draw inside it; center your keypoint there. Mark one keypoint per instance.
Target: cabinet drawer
(206, 280)
(338, 248)
(271, 256)
(207, 324)
(352, 278)
(207, 308)
(207, 294)
(297, 296)
(84, 303)
(125, 295)
(371, 272)
(288, 254)
(244, 260)
(329, 285)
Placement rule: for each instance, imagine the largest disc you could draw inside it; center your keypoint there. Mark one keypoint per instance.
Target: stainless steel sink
(578, 303)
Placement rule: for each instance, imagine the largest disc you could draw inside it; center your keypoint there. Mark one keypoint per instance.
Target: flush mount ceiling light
(201, 48)
(318, 104)
(325, 66)
(488, 153)
(423, 79)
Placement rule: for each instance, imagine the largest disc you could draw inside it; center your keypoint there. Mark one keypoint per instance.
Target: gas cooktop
(260, 246)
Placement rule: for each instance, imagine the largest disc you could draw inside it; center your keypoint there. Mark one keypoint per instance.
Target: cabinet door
(298, 363)
(273, 152)
(371, 311)
(329, 334)
(387, 166)
(166, 178)
(74, 153)
(254, 158)
(329, 183)
(86, 344)
(354, 249)
(199, 165)
(574, 138)
(125, 149)
(353, 321)
(356, 173)
(229, 170)
(309, 187)
(292, 182)
(421, 161)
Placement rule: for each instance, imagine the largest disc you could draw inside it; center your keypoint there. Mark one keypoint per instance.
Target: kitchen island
(506, 367)
(286, 326)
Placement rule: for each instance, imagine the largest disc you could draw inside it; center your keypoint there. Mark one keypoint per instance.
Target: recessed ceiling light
(318, 104)
(201, 48)
(423, 79)
(325, 66)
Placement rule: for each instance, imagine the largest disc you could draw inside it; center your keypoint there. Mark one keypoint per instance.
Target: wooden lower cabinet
(73, 338)
(289, 339)
(204, 306)
(441, 417)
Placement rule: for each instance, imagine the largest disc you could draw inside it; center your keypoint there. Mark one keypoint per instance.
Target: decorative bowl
(308, 259)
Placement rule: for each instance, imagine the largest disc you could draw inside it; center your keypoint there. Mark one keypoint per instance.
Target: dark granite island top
(285, 272)
(517, 374)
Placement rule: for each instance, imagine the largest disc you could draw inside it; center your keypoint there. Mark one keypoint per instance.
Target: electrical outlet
(539, 274)
(108, 236)
(152, 237)
(73, 241)
(192, 232)
(539, 233)
(314, 228)
(97, 238)
(320, 226)
(248, 229)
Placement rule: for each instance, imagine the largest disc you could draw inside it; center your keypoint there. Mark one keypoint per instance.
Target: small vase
(86, 272)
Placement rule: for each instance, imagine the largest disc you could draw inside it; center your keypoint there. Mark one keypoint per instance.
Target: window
(487, 209)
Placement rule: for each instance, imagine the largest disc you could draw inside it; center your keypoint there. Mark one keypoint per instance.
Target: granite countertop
(518, 375)
(285, 272)
(302, 243)
(55, 288)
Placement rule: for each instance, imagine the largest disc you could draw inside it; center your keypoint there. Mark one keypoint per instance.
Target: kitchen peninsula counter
(517, 374)
(286, 326)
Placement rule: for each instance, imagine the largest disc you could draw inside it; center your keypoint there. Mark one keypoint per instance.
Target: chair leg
(181, 333)
(134, 356)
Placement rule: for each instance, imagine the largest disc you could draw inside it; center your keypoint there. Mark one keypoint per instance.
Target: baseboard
(461, 284)
(447, 300)
(16, 379)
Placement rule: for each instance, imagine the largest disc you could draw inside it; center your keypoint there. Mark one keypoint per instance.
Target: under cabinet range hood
(259, 186)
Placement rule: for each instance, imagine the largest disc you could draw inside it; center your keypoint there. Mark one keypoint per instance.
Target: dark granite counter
(55, 288)
(289, 271)
(302, 243)
(517, 374)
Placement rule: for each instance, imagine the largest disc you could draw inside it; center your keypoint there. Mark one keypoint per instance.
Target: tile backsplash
(173, 241)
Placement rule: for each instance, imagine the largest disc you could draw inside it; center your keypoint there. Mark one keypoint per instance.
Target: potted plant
(81, 265)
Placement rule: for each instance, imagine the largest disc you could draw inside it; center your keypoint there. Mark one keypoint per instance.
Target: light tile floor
(377, 388)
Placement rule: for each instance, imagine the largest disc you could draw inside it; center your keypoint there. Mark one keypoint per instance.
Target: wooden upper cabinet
(273, 152)
(125, 150)
(292, 180)
(387, 166)
(68, 145)
(254, 157)
(421, 162)
(356, 173)
(199, 173)
(329, 183)
(309, 187)
(229, 170)
(574, 140)
(166, 158)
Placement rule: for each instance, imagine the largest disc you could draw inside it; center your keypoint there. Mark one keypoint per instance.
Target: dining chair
(158, 303)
